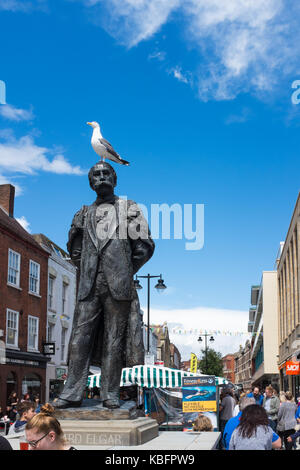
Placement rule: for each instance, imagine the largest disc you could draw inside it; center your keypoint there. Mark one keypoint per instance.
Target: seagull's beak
(89, 123)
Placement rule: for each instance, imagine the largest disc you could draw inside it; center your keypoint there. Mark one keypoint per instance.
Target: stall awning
(150, 376)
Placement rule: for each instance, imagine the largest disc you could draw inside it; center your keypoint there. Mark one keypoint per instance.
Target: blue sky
(197, 96)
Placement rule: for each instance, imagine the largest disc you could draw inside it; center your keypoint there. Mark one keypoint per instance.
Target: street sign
(48, 349)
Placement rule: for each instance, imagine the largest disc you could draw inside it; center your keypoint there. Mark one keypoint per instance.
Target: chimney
(7, 198)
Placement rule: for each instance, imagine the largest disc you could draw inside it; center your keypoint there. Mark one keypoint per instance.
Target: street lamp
(211, 339)
(160, 286)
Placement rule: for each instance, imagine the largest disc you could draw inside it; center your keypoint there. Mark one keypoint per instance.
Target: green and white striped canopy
(150, 376)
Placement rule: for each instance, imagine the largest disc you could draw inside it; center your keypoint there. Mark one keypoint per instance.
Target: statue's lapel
(91, 224)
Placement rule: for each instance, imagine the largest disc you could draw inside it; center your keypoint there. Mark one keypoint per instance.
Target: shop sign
(149, 359)
(48, 349)
(60, 373)
(292, 368)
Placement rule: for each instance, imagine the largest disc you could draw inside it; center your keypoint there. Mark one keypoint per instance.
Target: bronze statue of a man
(109, 241)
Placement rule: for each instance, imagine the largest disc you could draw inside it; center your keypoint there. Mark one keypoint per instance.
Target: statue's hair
(106, 165)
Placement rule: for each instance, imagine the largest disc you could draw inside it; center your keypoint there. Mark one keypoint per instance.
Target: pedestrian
(13, 399)
(271, 403)
(254, 432)
(257, 395)
(292, 438)
(233, 422)
(37, 403)
(226, 409)
(286, 419)
(282, 397)
(11, 413)
(202, 424)
(44, 432)
(26, 411)
(236, 410)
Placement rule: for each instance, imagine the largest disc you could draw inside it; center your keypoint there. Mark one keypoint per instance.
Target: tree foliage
(214, 362)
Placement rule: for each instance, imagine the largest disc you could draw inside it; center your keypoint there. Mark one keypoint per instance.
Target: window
(13, 268)
(34, 277)
(51, 281)
(33, 332)
(12, 328)
(63, 343)
(50, 332)
(64, 297)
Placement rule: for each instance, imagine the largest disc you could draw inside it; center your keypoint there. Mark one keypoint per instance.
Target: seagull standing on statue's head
(102, 147)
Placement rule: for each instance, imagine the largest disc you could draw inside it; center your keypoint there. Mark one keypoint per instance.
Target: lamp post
(160, 286)
(211, 339)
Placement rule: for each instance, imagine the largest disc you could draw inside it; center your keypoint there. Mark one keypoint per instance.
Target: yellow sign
(193, 363)
(197, 406)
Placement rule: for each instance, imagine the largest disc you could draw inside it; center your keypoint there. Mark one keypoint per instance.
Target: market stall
(161, 392)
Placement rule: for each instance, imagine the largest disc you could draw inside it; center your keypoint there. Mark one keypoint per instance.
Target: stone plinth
(94, 410)
(93, 424)
(123, 432)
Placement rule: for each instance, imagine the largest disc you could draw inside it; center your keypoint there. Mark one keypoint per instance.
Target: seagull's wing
(109, 147)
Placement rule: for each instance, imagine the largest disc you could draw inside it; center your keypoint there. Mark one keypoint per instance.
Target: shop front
(23, 373)
(290, 377)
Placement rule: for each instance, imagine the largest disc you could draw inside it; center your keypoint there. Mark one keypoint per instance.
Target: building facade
(263, 326)
(175, 357)
(229, 367)
(243, 366)
(60, 310)
(288, 278)
(23, 306)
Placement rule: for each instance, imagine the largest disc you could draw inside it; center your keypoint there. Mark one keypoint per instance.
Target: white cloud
(12, 113)
(23, 5)
(177, 73)
(243, 45)
(133, 21)
(157, 55)
(24, 222)
(202, 318)
(24, 156)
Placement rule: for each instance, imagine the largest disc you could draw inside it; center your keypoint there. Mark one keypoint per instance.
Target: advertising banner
(193, 363)
(199, 394)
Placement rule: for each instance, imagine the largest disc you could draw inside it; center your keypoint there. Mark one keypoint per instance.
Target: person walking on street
(226, 409)
(233, 422)
(287, 420)
(26, 410)
(271, 404)
(254, 432)
(44, 432)
(256, 395)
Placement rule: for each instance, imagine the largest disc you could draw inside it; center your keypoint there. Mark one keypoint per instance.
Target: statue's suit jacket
(121, 256)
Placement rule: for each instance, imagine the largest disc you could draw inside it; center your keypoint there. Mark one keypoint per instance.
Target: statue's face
(102, 179)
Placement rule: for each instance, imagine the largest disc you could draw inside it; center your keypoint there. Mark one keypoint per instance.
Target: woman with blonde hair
(44, 432)
(202, 423)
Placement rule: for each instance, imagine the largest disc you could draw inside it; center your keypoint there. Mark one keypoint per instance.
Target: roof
(43, 240)
(12, 225)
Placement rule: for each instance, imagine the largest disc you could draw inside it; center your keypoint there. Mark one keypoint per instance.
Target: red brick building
(228, 367)
(23, 305)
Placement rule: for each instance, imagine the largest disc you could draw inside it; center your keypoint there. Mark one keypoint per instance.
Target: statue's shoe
(111, 403)
(62, 403)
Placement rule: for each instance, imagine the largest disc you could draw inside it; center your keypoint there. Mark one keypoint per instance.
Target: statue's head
(102, 177)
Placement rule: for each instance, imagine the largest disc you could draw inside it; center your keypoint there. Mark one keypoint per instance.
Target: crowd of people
(26, 416)
(259, 421)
